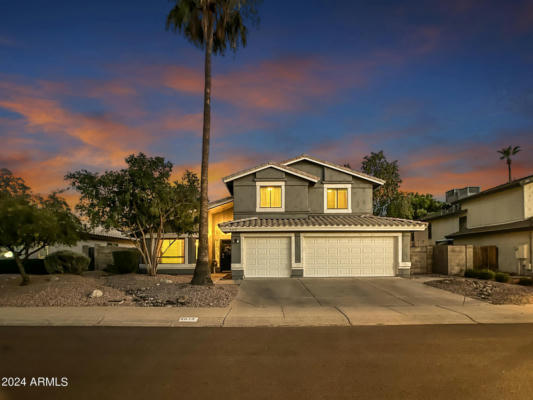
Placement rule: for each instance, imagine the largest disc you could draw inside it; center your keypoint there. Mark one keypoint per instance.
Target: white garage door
(348, 256)
(267, 257)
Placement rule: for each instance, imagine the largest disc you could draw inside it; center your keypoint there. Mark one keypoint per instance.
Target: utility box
(521, 252)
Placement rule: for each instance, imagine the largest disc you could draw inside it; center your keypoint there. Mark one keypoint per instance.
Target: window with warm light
(270, 196)
(337, 199)
(172, 251)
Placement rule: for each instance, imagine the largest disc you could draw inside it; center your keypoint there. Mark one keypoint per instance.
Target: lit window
(337, 198)
(172, 251)
(270, 197)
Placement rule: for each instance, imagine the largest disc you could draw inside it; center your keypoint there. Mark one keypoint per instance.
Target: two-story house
(309, 217)
(501, 216)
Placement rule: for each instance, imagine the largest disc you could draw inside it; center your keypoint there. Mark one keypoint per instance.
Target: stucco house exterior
(309, 217)
(300, 217)
(501, 216)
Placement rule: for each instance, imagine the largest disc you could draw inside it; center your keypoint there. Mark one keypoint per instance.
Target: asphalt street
(379, 362)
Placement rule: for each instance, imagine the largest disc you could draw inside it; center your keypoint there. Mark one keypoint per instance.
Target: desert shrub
(125, 261)
(33, 266)
(485, 274)
(526, 282)
(470, 273)
(66, 261)
(501, 277)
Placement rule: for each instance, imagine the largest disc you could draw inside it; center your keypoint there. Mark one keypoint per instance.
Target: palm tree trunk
(23, 274)
(202, 274)
(509, 169)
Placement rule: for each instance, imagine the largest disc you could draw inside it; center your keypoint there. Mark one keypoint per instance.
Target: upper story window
(462, 223)
(337, 198)
(172, 251)
(270, 196)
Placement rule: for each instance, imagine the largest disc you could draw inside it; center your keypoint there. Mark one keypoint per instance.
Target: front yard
(485, 290)
(116, 290)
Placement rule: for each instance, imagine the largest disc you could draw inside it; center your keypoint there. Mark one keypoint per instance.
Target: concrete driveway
(350, 301)
(339, 292)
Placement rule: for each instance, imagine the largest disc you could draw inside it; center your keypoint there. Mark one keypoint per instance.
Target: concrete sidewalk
(295, 302)
(239, 315)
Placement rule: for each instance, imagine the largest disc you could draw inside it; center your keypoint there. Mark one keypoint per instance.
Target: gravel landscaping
(489, 291)
(97, 288)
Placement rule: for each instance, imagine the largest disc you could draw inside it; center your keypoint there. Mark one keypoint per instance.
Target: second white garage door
(348, 256)
(267, 257)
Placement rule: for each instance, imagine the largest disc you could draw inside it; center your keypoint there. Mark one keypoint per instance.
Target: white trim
(237, 267)
(346, 229)
(347, 186)
(170, 266)
(248, 172)
(258, 186)
(354, 173)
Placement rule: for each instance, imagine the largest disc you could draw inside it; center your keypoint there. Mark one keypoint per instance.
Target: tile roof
(285, 168)
(322, 222)
(333, 165)
(524, 225)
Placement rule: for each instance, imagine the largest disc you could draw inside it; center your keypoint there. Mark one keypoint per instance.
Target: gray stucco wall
(406, 246)
(235, 248)
(297, 247)
(301, 196)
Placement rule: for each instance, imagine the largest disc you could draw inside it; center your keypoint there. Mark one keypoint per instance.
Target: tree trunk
(509, 169)
(23, 274)
(202, 274)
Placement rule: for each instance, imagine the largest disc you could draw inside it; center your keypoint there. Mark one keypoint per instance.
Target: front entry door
(225, 255)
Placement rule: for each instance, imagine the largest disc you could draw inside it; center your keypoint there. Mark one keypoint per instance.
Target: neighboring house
(309, 217)
(501, 216)
(97, 244)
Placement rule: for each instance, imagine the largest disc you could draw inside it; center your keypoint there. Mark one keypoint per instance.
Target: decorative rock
(182, 300)
(96, 293)
(168, 281)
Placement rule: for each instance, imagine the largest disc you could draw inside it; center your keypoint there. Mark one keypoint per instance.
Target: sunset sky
(438, 88)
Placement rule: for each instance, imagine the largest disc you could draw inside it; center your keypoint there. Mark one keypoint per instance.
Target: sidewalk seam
(459, 312)
(311, 293)
(345, 316)
(226, 316)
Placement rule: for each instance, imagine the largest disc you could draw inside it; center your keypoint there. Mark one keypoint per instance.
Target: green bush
(33, 266)
(526, 282)
(470, 273)
(501, 277)
(66, 261)
(485, 274)
(125, 261)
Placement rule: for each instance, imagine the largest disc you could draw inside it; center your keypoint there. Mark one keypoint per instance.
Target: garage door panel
(361, 256)
(267, 257)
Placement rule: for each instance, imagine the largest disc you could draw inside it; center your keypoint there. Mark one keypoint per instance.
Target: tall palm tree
(506, 154)
(213, 26)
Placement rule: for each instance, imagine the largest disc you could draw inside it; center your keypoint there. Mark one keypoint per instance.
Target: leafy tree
(29, 223)
(214, 26)
(376, 164)
(506, 153)
(413, 205)
(401, 206)
(424, 204)
(140, 202)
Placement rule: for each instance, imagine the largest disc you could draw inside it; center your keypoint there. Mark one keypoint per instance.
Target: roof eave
(231, 178)
(376, 181)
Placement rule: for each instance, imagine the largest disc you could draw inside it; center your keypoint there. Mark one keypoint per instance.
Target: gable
(304, 160)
